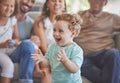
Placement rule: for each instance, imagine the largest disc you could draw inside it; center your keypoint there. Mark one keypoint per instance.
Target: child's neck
(3, 20)
(67, 44)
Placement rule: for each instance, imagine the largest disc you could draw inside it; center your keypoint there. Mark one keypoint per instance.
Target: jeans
(116, 70)
(102, 66)
(22, 55)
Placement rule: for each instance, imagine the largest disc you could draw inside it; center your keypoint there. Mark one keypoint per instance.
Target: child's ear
(74, 33)
(105, 2)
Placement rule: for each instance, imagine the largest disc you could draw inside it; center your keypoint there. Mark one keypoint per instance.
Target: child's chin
(59, 44)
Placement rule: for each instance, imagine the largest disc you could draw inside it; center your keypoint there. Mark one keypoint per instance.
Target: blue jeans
(22, 55)
(102, 66)
(116, 70)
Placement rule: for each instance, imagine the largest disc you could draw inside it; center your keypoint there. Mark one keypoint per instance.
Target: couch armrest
(117, 40)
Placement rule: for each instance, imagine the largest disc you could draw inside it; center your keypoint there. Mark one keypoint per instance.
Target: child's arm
(16, 35)
(69, 65)
(14, 41)
(39, 58)
(5, 44)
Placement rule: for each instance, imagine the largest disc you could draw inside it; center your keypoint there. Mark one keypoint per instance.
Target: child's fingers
(39, 52)
(62, 51)
(36, 59)
(34, 56)
(59, 57)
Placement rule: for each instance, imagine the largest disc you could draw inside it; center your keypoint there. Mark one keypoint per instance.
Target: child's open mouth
(57, 39)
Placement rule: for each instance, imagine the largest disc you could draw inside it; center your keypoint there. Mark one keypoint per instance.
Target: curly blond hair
(74, 21)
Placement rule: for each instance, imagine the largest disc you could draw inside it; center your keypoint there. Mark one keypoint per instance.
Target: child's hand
(35, 39)
(62, 56)
(37, 57)
(8, 43)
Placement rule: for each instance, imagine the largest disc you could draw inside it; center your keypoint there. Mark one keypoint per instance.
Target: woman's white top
(48, 31)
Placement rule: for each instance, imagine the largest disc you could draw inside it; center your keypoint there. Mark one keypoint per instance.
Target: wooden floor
(35, 80)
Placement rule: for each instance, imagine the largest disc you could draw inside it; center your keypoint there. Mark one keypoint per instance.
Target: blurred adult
(25, 22)
(22, 54)
(101, 59)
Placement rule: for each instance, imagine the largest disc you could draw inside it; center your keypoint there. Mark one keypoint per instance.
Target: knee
(111, 56)
(7, 69)
(27, 46)
(112, 53)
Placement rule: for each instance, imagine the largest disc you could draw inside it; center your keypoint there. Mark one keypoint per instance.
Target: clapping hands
(62, 56)
(37, 57)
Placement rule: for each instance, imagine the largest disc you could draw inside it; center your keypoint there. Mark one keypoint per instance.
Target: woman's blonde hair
(74, 21)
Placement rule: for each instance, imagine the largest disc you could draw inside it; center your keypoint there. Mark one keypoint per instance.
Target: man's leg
(98, 66)
(22, 55)
(116, 69)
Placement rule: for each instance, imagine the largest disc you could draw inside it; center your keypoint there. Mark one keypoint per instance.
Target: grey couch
(37, 80)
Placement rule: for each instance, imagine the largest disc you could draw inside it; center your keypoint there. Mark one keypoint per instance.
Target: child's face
(62, 35)
(7, 7)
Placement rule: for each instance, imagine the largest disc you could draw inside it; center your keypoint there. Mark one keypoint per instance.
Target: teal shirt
(59, 73)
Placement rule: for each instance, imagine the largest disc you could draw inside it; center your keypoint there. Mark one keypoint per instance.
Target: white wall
(113, 7)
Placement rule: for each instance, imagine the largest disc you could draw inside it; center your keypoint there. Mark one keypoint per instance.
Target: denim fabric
(25, 81)
(22, 55)
(116, 70)
(102, 66)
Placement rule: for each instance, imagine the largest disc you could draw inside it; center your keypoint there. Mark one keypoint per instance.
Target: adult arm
(16, 34)
(39, 31)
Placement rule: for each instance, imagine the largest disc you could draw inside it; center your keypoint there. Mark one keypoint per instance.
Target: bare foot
(39, 74)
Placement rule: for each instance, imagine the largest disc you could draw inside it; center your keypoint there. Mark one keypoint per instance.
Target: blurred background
(113, 6)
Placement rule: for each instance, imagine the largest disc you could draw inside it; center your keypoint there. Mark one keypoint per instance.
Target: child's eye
(54, 30)
(60, 0)
(61, 31)
(5, 4)
(53, 0)
(33, 1)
